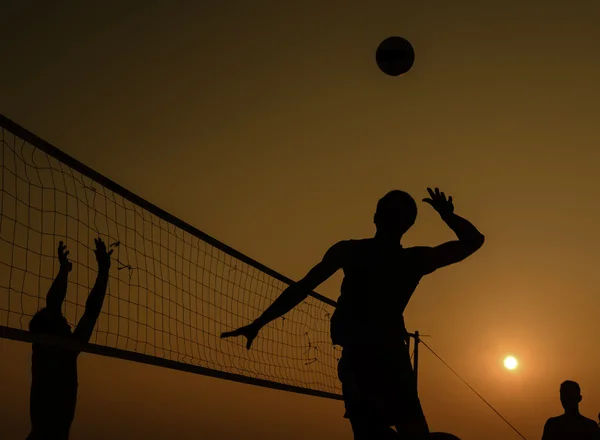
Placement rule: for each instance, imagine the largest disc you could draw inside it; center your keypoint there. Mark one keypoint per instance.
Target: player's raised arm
(58, 289)
(93, 306)
(295, 293)
(469, 238)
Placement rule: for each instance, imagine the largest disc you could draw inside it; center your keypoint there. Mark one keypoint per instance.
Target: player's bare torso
(379, 280)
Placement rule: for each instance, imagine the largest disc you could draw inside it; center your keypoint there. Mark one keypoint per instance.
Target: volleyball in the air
(395, 56)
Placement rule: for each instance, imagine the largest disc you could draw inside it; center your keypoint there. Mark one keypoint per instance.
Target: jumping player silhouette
(381, 275)
(53, 369)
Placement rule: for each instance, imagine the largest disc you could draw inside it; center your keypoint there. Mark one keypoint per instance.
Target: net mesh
(170, 294)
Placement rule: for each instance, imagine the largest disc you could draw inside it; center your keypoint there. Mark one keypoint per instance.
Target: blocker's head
(49, 322)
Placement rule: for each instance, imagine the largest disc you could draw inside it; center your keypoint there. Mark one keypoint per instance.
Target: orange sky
(267, 125)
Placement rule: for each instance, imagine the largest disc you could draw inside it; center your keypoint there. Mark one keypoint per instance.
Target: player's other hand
(249, 331)
(439, 202)
(102, 256)
(62, 257)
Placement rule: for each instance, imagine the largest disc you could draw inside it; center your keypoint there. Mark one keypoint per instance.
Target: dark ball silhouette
(395, 56)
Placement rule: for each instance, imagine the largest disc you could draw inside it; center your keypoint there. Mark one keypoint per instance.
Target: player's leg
(411, 422)
(365, 427)
(364, 376)
(409, 416)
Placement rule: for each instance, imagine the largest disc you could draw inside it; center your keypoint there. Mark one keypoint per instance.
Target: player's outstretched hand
(439, 202)
(102, 257)
(250, 331)
(62, 256)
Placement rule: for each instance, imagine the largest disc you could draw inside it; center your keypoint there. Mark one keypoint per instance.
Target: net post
(416, 366)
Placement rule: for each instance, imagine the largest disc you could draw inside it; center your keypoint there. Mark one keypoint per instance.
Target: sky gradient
(268, 126)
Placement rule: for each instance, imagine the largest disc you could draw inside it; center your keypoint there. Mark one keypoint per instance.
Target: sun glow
(510, 363)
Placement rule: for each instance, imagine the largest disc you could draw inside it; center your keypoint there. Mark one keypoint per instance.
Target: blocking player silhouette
(54, 369)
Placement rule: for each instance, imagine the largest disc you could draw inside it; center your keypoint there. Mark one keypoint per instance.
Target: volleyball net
(172, 291)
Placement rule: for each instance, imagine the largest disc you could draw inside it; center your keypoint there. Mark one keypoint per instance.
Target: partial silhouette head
(570, 395)
(396, 213)
(49, 322)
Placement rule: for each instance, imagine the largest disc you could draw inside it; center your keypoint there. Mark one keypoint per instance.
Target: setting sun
(510, 363)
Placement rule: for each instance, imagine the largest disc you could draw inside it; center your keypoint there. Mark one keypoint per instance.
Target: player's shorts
(378, 381)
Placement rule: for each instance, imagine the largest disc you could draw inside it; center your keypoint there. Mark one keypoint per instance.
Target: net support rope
(473, 389)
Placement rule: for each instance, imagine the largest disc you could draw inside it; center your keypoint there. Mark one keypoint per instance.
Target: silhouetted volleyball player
(380, 277)
(54, 369)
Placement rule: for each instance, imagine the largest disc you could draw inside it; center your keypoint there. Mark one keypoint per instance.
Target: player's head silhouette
(570, 395)
(49, 322)
(396, 213)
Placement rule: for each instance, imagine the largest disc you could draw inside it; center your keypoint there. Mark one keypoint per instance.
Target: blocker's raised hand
(439, 202)
(63, 253)
(102, 256)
